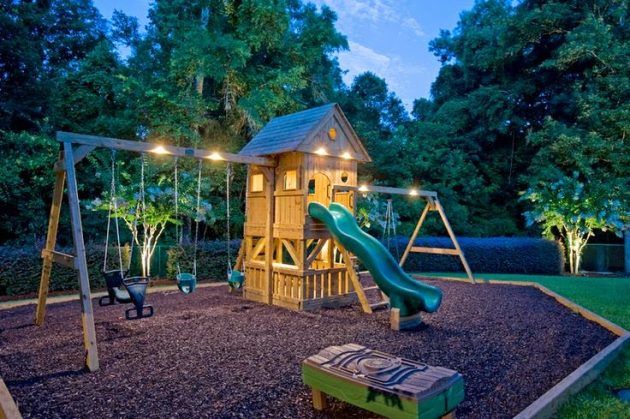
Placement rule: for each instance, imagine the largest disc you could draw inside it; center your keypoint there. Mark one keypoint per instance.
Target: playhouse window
(290, 180)
(311, 186)
(257, 182)
(344, 177)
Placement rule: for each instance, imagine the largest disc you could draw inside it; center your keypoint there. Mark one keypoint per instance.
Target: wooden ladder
(368, 307)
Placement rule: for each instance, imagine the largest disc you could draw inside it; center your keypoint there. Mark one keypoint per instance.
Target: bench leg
(319, 399)
(449, 415)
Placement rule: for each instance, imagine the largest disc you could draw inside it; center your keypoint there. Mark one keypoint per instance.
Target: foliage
(510, 255)
(573, 210)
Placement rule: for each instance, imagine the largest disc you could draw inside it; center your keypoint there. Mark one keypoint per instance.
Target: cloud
(400, 77)
(374, 11)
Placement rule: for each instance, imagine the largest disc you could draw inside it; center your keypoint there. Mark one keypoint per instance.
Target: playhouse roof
(293, 132)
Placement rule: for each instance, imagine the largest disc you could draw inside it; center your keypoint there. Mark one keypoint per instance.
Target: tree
(573, 210)
(147, 213)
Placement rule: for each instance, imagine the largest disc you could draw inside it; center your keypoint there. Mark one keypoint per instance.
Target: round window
(344, 177)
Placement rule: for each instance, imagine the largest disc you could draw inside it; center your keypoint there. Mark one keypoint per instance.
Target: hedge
(20, 268)
(514, 255)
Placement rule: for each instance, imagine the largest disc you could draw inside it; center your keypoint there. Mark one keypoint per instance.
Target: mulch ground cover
(214, 354)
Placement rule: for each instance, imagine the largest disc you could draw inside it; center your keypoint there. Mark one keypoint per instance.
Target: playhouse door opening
(319, 189)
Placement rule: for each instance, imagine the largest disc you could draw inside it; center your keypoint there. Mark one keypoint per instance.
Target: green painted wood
(409, 390)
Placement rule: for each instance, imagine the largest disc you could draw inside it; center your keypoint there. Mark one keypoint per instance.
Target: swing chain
(197, 218)
(113, 202)
(228, 181)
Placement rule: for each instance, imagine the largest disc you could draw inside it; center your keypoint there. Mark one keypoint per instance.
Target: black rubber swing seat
(137, 288)
(115, 290)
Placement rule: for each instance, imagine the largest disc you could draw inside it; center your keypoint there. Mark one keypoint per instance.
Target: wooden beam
(89, 331)
(318, 248)
(434, 250)
(238, 264)
(8, 408)
(142, 147)
(258, 248)
(60, 258)
(269, 188)
(79, 154)
(292, 252)
(462, 258)
(354, 278)
(387, 190)
(423, 216)
(51, 242)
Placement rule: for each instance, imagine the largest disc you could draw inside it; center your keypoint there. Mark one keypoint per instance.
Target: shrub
(212, 261)
(521, 255)
(20, 267)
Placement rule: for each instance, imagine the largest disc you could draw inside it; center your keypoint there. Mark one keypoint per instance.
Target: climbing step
(370, 288)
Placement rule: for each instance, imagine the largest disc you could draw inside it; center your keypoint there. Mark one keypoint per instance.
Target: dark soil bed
(213, 354)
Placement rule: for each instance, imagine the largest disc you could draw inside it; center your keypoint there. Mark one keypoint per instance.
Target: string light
(346, 156)
(413, 192)
(363, 188)
(159, 149)
(215, 156)
(321, 151)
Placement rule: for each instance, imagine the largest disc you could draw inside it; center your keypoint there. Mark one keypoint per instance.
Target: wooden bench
(382, 383)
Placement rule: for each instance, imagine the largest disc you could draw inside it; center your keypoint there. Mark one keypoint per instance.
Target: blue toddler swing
(235, 278)
(187, 281)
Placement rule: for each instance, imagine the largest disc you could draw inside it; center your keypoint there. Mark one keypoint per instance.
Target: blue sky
(388, 37)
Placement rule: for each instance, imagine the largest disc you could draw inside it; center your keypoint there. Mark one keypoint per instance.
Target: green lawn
(610, 298)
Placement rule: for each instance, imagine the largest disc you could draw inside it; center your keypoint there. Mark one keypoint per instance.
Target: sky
(387, 37)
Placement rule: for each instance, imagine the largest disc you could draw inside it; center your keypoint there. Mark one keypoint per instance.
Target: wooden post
(51, 241)
(454, 240)
(269, 174)
(415, 234)
(356, 282)
(89, 332)
(319, 399)
(8, 408)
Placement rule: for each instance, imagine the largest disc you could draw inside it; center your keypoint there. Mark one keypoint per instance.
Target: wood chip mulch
(214, 354)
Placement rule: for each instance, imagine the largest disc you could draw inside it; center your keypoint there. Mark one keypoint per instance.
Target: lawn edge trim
(547, 404)
(6, 305)
(8, 408)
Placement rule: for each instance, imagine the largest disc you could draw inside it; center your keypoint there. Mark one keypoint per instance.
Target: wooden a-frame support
(433, 204)
(65, 169)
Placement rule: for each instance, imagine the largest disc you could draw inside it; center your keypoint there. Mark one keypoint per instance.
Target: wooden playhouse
(299, 267)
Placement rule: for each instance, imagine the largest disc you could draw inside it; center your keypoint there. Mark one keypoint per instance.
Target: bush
(514, 255)
(212, 261)
(21, 267)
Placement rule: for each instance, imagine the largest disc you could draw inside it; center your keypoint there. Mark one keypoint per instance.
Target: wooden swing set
(75, 148)
(288, 258)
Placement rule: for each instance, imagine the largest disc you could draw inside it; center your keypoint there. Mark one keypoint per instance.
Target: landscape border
(543, 407)
(547, 404)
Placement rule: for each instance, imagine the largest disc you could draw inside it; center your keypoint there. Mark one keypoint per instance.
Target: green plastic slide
(407, 294)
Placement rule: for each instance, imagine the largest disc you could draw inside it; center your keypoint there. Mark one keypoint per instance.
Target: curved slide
(409, 295)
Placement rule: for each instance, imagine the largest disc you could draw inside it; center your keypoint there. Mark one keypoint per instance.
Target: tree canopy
(529, 93)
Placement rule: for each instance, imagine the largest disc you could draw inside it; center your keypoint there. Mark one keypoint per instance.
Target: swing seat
(236, 279)
(186, 282)
(115, 291)
(137, 288)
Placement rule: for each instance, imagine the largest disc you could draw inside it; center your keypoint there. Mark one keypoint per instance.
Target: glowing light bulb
(215, 156)
(321, 151)
(346, 156)
(363, 188)
(413, 192)
(159, 149)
